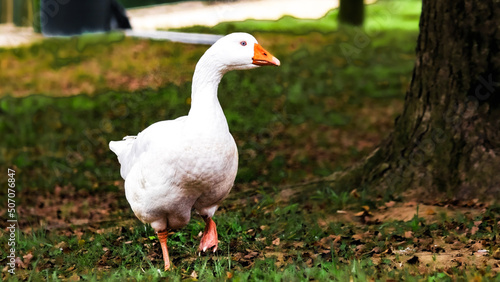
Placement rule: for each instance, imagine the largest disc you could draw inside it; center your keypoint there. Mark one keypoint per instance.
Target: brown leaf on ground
(297, 245)
(459, 261)
(457, 245)
(390, 204)
(358, 237)
(354, 193)
(20, 263)
(74, 277)
(430, 211)
(280, 258)
(450, 239)
(496, 254)
(276, 242)
(361, 213)
(251, 254)
(387, 252)
(474, 230)
(360, 249)
(410, 204)
(476, 247)
(27, 258)
(376, 250)
(325, 242)
(61, 245)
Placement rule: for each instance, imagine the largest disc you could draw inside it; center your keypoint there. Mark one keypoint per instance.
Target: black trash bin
(72, 17)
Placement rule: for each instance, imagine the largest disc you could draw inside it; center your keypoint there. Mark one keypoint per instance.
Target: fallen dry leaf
(474, 230)
(354, 193)
(390, 204)
(27, 258)
(61, 245)
(450, 239)
(276, 242)
(74, 277)
(20, 263)
(361, 213)
(410, 204)
(358, 237)
(496, 254)
(251, 255)
(280, 257)
(476, 247)
(430, 212)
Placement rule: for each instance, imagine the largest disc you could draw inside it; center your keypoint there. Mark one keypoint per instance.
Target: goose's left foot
(209, 238)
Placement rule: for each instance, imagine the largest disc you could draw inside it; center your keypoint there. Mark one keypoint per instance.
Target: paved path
(202, 13)
(11, 36)
(183, 14)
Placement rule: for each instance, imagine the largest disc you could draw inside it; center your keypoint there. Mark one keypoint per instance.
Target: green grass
(330, 102)
(118, 250)
(385, 15)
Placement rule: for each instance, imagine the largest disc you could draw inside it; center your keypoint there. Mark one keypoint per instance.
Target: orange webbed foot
(209, 238)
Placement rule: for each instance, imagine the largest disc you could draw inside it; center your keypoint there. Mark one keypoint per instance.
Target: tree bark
(447, 140)
(351, 12)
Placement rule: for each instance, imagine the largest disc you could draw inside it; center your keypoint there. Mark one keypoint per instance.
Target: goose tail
(121, 147)
(122, 150)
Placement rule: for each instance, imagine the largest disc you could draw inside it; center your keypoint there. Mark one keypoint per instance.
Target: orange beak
(263, 58)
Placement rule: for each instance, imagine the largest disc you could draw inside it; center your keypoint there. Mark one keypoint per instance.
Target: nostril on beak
(265, 54)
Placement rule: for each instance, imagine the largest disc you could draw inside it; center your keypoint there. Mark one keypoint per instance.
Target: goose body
(191, 162)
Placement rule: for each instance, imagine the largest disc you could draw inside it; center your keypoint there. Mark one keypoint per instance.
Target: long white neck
(205, 110)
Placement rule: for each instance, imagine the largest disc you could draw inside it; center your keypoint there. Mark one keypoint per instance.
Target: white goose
(191, 162)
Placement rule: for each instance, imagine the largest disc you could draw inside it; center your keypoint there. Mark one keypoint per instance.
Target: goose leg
(162, 236)
(209, 238)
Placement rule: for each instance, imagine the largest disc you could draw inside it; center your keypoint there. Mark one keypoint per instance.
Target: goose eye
(243, 43)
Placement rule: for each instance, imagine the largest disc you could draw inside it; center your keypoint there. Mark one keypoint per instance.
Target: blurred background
(77, 74)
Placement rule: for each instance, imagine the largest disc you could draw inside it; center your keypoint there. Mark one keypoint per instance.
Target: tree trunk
(447, 139)
(351, 12)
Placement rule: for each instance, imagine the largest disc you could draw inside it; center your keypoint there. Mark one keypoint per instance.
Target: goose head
(239, 51)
